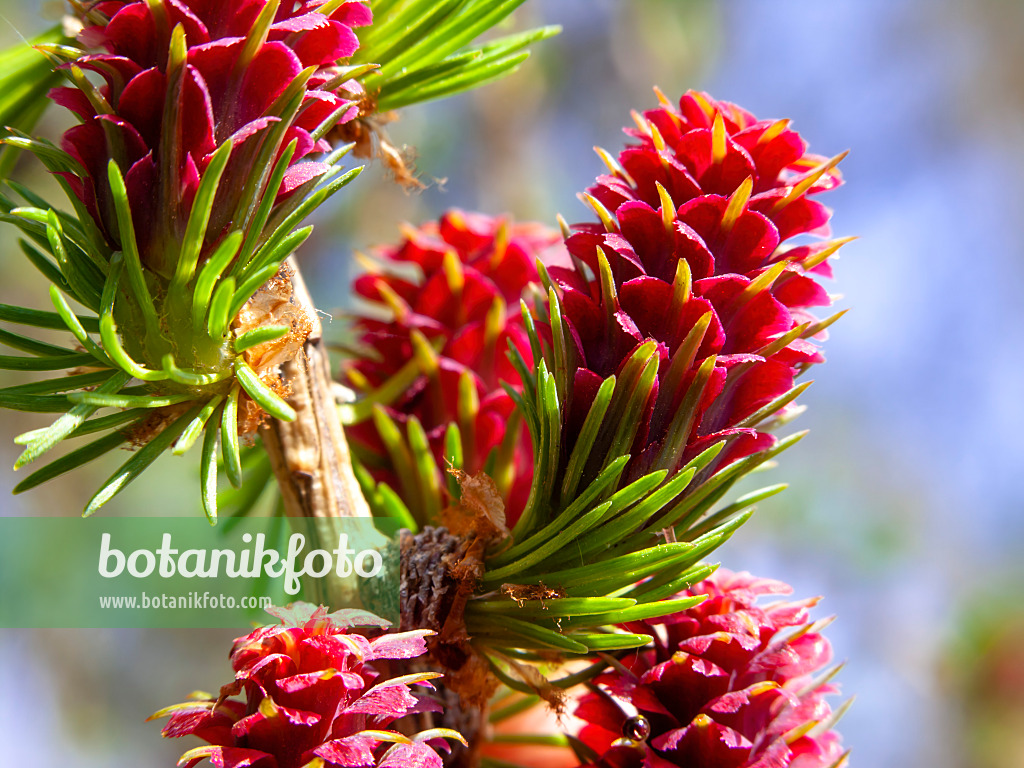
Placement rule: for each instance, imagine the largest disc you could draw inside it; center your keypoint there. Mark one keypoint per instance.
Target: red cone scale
(695, 251)
(182, 77)
(455, 316)
(312, 698)
(728, 684)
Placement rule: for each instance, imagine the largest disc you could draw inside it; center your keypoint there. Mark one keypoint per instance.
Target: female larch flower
(693, 252)
(199, 151)
(727, 684)
(181, 78)
(452, 289)
(312, 698)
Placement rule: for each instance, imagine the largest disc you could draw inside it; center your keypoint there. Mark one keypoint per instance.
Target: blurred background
(904, 510)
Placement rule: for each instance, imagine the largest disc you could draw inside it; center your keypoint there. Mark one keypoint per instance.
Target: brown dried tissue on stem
(441, 569)
(309, 456)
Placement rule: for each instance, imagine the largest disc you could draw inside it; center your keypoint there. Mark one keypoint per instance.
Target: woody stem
(310, 456)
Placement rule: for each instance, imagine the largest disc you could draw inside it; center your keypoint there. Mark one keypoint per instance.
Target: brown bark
(310, 455)
(311, 462)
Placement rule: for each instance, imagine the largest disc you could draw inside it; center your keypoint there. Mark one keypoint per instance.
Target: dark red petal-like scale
(645, 299)
(802, 216)
(773, 156)
(348, 751)
(749, 323)
(383, 699)
(179, 12)
(603, 342)
(216, 97)
(131, 33)
(695, 151)
(328, 42)
(142, 104)
(723, 685)
(625, 264)
(795, 290)
(516, 267)
(317, 107)
(739, 443)
(731, 180)
(74, 100)
(117, 71)
(705, 742)
(744, 247)
(283, 731)
(745, 393)
(300, 174)
(643, 227)
(266, 77)
(584, 389)
(353, 13)
(648, 169)
(197, 121)
(229, 20)
(396, 647)
(470, 348)
(215, 61)
(236, 757)
(211, 725)
(411, 756)
(141, 182)
(458, 281)
(456, 307)
(309, 691)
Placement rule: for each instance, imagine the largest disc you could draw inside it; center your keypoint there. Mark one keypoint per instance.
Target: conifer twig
(310, 456)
